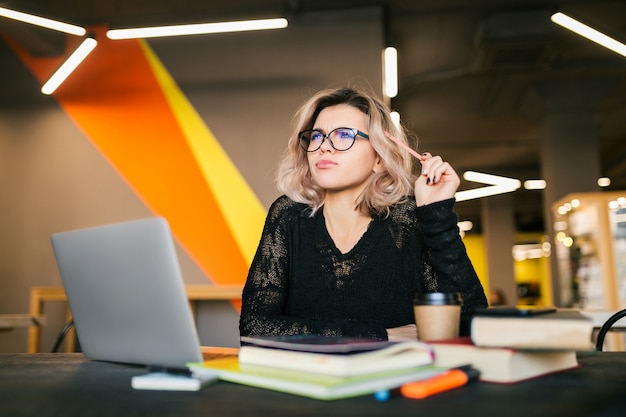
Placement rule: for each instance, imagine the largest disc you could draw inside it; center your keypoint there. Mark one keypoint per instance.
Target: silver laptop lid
(126, 293)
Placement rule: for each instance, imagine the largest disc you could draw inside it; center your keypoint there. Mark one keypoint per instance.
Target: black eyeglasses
(341, 138)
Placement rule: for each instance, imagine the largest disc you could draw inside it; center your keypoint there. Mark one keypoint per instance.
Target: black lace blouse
(300, 283)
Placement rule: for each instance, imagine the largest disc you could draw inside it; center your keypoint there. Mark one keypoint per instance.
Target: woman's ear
(379, 166)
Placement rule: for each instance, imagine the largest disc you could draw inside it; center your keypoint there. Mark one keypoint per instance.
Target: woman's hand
(437, 182)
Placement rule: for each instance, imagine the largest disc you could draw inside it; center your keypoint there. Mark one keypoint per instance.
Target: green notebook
(318, 386)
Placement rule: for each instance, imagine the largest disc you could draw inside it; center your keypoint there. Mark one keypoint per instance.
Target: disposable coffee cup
(437, 315)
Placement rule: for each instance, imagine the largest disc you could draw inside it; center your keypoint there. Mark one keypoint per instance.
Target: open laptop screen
(126, 293)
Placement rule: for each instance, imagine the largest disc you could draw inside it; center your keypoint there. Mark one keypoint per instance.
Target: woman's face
(343, 171)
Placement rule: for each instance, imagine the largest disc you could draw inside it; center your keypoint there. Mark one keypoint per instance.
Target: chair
(607, 326)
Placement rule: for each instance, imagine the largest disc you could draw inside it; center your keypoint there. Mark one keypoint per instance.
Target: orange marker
(449, 380)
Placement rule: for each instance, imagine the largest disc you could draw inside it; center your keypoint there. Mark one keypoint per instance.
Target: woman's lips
(325, 163)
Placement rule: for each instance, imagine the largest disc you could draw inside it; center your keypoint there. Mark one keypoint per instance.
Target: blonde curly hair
(386, 188)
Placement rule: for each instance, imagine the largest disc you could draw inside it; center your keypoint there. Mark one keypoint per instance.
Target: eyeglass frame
(356, 132)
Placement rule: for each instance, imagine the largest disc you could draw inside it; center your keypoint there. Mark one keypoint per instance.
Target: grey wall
(245, 86)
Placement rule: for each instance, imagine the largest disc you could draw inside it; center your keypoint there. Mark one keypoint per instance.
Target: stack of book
(324, 368)
(506, 346)
(510, 345)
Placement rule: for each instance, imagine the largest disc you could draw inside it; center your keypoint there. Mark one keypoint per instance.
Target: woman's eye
(344, 134)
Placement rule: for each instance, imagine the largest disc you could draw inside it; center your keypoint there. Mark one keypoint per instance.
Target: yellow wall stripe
(242, 210)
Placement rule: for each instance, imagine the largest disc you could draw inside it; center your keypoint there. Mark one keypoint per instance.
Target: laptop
(126, 294)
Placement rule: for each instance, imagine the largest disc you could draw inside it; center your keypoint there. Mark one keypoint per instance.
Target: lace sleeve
(265, 291)
(448, 268)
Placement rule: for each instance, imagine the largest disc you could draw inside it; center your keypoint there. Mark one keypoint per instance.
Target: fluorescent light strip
(535, 184)
(465, 226)
(496, 185)
(589, 33)
(482, 192)
(196, 29)
(395, 118)
(69, 66)
(390, 72)
(43, 22)
(491, 179)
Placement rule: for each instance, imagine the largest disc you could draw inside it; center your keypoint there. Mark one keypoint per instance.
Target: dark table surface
(69, 385)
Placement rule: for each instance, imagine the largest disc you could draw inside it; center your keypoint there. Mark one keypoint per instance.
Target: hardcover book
(317, 343)
(560, 329)
(502, 365)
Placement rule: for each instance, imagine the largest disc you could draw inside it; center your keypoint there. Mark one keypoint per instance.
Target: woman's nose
(326, 146)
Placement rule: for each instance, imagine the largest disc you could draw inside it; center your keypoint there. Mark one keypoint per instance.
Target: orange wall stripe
(242, 209)
(116, 100)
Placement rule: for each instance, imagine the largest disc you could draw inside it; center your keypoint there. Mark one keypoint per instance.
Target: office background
(115, 142)
(244, 87)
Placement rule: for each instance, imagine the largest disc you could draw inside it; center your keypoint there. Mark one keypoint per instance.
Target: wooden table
(41, 295)
(11, 321)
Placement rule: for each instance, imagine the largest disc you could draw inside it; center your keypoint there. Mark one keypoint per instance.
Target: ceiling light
(390, 72)
(589, 33)
(496, 185)
(197, 29)
(69, 65)
(604, 182)
(481, 192)
(395, 118)
(530, 251)
(43, 22)
(465, 226)
(491, 179)
(535, 184)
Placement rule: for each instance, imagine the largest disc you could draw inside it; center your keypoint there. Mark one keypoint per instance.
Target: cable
(64, 331)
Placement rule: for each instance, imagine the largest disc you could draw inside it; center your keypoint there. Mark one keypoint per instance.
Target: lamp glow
(197, 29)
(390, 72)
(589, 33)
(43, 22)
(69, 66)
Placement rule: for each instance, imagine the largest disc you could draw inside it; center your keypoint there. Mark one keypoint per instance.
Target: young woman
(355, 235)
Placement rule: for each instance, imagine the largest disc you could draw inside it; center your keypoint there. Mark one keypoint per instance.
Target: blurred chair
(607, 326)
